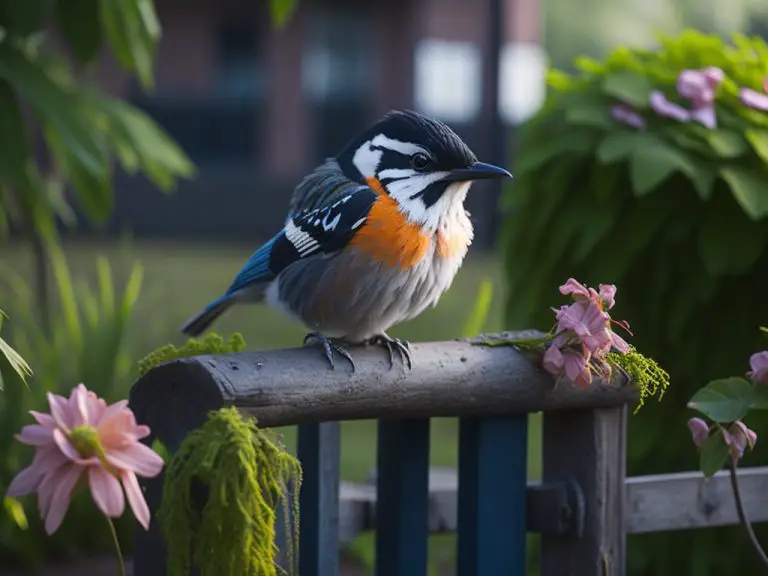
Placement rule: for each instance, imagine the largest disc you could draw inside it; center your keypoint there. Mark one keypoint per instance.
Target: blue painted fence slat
(318, 451)
(491, 500)
(402, 488)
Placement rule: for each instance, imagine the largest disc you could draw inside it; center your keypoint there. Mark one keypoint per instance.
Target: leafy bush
(85, 343)
(674, 213)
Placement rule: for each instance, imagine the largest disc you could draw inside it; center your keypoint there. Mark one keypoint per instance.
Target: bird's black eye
(420, 161)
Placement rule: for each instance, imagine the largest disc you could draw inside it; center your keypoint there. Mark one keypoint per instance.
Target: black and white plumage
(373, 236)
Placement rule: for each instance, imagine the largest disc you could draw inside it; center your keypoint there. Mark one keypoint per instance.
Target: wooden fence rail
(583, 507)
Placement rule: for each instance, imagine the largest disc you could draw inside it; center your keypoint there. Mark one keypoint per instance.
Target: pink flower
(589, 323)
(699, 431)
(83, 438)
(758, 364)
(626, 115)
(696, 86)
(567, 363)
(606, 298)
(738, 437)
(699, 86)
(755, 99)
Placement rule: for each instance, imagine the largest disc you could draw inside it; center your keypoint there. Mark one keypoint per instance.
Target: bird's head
(419, 161)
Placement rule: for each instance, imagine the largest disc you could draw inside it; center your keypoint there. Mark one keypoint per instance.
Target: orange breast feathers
(388, 236)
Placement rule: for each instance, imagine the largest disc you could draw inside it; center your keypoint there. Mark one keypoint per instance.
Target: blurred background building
(256, 107)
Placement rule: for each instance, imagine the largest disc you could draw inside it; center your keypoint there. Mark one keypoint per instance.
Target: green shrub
(85, 343)
(674, 215)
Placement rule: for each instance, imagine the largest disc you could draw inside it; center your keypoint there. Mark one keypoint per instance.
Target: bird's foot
(329, 347)
(402, 347)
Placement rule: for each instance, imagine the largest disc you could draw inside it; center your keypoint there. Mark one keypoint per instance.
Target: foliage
(674, 214)
(211, 343)
(83, 129)
(247, 473)
(85, 343)
(13, 359)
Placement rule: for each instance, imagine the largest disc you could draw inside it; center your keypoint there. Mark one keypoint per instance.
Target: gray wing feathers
(323, 186)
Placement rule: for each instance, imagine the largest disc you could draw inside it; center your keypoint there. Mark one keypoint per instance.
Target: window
(338, 75)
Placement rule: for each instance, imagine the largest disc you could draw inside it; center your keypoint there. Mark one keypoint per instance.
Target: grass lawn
(181, 278)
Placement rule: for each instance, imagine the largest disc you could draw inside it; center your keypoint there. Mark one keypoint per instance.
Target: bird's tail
(201, 321)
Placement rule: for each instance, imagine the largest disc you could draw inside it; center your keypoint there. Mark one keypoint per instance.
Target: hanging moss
(650, 378)
(246, 471)
(210, 344)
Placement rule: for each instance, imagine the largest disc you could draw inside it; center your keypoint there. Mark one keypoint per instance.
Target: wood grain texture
(296, 386)
(653, 503)
(688, 500)
(589, 448)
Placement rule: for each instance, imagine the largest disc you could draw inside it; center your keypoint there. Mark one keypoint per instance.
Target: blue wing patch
(256, 269)
(322, 230)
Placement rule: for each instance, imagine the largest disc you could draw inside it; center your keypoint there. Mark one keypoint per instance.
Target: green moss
(646, 374)
(246, 471)
(211, 344)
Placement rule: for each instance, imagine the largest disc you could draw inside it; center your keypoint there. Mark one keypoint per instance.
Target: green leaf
(56, 106)
(159, 156)
(728, 241)
(714, 454)
(14, 359)
(749, 188)
(80, 25)
(575, 142)
(618, 146)
(653, 161)
(703, 180)
(281, 11)
(758, 138)
(726, 143)
(629, 87)
(723, 400)
(595, 114)
(15, 512)
(133, 31)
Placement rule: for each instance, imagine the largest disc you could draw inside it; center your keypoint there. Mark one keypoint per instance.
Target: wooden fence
(584, 507)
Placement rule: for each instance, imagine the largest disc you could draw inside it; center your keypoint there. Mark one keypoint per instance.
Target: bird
(373, 237)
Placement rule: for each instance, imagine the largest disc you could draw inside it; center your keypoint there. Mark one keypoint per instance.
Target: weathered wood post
(588, 449)
(491, 388)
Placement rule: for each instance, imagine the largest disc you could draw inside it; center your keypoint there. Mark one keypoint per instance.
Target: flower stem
(742, 515)
(119, 552)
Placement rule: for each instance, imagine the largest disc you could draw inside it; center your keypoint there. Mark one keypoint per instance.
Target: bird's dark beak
(478, 171)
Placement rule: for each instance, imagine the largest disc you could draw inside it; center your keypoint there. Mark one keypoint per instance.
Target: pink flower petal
(138, 458)
(575, 288)
(62, 495)
(35, 435)
(626, 115)
(136, 498)
(43, 419)
(758, 363)
(553, 360)
(705, 116)
(25, 482)
(66, 446)
(608, 295)
(60, 411)
(754, 99)
(106, 491)
(664, 107)
(699, 430)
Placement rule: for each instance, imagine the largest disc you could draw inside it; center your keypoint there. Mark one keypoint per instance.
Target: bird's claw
(402, 347)
(329, 347)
